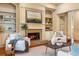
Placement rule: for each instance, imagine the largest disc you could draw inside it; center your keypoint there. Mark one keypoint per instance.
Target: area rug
(40, 51)
(37, 51)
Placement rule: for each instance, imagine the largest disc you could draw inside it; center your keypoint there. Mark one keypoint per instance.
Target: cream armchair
(58, 37)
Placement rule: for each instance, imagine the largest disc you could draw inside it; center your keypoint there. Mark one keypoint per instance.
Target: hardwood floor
(35, 43)
(76, 41)
(2, 51)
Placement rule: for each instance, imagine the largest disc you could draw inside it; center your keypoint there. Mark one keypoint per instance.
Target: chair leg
(55, 52)
(69, 48)
(46, 50)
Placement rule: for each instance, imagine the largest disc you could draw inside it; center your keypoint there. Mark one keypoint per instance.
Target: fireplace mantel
(35, 26)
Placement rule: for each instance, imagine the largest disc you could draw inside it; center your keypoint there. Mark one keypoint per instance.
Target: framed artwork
(33, 16)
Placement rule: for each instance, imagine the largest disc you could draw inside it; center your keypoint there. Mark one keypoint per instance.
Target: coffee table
(55, 47)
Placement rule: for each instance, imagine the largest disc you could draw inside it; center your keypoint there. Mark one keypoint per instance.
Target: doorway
(64, 23)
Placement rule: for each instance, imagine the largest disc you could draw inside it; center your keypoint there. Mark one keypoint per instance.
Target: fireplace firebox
(34, 36)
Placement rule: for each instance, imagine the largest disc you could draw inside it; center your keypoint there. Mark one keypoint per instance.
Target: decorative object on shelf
(24, 27)
(33, 16)
(9, 28)
(48, 24)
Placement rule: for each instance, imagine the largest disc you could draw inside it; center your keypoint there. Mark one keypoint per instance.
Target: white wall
(77, 21)
(49, 35)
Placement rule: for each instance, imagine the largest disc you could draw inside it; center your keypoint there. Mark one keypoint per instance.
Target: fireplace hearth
(34, 36)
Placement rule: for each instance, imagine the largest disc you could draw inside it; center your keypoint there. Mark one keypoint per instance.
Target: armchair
(58, 37)
(20, 45)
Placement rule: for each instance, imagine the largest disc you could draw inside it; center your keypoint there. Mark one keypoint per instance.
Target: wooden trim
(76, 41)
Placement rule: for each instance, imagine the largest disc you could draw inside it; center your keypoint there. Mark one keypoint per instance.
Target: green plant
(34, 20)
(24, 27)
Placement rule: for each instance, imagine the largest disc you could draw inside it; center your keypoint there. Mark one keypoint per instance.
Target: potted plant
(24, 27)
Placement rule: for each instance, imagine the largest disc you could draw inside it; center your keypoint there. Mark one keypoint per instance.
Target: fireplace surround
(35, 34)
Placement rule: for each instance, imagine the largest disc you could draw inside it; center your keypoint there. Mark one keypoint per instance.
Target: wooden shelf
(8, 20)
(48, 24)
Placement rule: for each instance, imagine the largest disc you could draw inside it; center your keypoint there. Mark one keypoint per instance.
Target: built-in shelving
(48, 20)
(48, 24)
(8, 21)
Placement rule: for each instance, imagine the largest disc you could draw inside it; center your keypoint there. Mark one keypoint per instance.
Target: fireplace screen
(34, 36)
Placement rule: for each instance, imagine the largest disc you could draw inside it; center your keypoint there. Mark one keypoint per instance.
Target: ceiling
(56, 4)
(53, 4)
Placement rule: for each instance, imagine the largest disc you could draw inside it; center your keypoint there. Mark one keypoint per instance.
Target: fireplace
(34, 36)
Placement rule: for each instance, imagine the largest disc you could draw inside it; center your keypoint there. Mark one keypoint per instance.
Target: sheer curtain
(74, 47)
(71, 18)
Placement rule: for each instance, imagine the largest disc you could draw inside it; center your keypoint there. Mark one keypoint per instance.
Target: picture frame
(33, 16)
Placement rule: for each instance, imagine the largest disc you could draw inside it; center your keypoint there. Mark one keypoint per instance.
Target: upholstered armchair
(58, 37)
